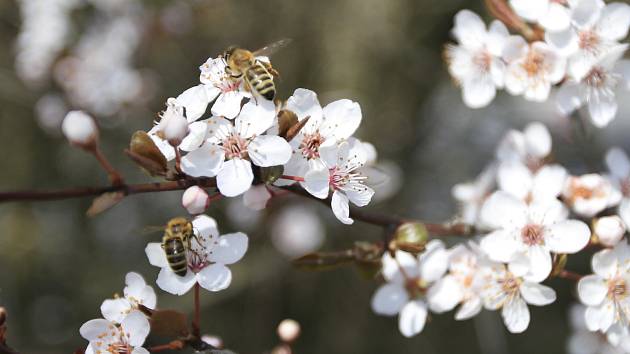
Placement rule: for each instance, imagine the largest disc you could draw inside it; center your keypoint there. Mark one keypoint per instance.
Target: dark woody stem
(114, 176)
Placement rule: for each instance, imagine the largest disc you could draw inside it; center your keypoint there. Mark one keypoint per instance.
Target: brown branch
(113, 174)
(565, 274)
(127, 189)
(196, 327)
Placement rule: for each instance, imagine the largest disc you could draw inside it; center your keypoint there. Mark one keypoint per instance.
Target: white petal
(469, 30)
(537, 140)
(568, 98)
(515, 178)
(500, 245)
(92, 329)
(341, 119)
(269, 150)
(434, 261)
(156, 255)
(444, 295)
(503, 210)
(614, 21)
(235, 177)
(206, 161)
(549, 182)
(227, 105)
(586, 12)
(389, 299)
(600, 317)
(115, 310)
(361, 196)
(230, 248)
(256, 197)
(165, 148)
(412, 318)
(592, 290)
(516, 315)
(195, 100)
(173, 283)
(602, 110)
(537, 294)
(469, 309)
(604, 263)
(215, 277)
(624, 211)
(255, 119)
(530, 10)
(205, 226)
(618, 163)
(340, 207)
(304, 103)
(196, 136)
(556, 18)
(539, 263)
(391, 269)
(479, 91)
(136, 328)
(568, 236)
(316, 182)
(139, 350)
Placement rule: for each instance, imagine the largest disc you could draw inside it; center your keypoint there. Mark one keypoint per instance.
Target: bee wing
(272, 48)
(151, 229)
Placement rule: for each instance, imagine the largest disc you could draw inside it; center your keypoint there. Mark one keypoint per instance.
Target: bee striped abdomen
(261, 81)
(176, 255)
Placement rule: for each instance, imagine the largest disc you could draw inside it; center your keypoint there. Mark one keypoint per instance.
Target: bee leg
(248, 87)
(270, 69)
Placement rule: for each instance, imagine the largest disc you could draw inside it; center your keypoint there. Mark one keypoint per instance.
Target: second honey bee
(176, 242)
(257, 74)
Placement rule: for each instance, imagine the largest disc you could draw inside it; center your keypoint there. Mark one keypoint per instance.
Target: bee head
(238, 58)
(179, 225)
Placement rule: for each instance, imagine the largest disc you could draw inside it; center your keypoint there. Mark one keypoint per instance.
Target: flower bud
(80, 129)
(173, 125)
(609, 230)
(145, 153)
(411, 237)
(288, 330)
(195, 200)
(214, 341)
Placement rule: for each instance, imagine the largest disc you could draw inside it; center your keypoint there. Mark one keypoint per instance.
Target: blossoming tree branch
(519, 221)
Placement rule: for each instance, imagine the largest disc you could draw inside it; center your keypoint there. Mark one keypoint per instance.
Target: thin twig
(196, 327)
(114, 175)
(565, 274)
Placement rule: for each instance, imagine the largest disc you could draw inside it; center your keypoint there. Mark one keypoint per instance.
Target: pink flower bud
(173, 125)
(195, 200)
(80, 129)
(609, 230)
(288, 330)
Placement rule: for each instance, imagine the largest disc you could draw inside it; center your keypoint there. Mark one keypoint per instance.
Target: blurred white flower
(529, 147)
(341, 173)
(195, 200)
(325, 128)
(407, 278)
(106, 337)
(297, 230)
(288, 330)
(226, 92)
(606, 292)
(256, 197)
(533, 68)
(79, 128)
(619, 167)
(50, 110)
(596, 28)
(583, 341)
(596, 89)
(509, 291)
(471, 195)
(476, 62)
(207, 259)
(552, 15)
(232, 147)
(525, 235)
(609, 230)
(590, 194)
(519, 181)
(136, 293)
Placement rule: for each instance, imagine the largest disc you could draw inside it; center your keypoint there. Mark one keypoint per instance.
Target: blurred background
(121, 59)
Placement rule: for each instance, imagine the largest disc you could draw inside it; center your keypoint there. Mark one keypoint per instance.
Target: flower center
(589, 41)
(534, 63)
(596, 78)
(532, 234)
(483, 60)
(617, 288)
(235, 146)
(625, 186)
(310, 145)
(510, 285)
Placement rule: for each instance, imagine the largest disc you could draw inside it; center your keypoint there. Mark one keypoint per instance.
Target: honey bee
(257, 74)
(176, 241)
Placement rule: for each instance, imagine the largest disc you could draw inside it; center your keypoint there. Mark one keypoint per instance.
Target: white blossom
(530, 147)
(619, 167)
(597, 89)
(79, 128)
(207, 259)
(583, 341)
(297, 230)
(590, 194)
(606, 292)
(509, 291)
(525, 234)
(232, 147)
(226, 92)
(475, 63)
(195, 200)
(108, 337)
(397, 296)
(340, 173)
(471, 195)
(609, 230)
(136, 293)
(544, 184)
(533, 68)
(552, 15)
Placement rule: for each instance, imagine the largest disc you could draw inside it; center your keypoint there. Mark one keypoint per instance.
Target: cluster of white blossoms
(581, 52)
(241, 137)
(124, 327)
(521, 206)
